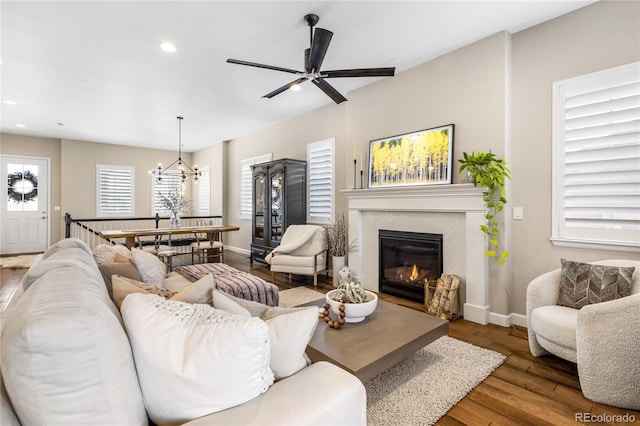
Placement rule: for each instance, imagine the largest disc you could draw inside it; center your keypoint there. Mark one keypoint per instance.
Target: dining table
(164, 249)
(130, 235)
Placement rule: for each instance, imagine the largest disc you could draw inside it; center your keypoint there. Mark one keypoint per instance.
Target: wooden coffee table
(365, 349)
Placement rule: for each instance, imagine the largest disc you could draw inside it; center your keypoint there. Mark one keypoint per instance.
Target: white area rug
(298, 296)
(422, 388)
(21, 261)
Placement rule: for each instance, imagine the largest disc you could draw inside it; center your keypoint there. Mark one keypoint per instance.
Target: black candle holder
(361, 173)
(354, 173)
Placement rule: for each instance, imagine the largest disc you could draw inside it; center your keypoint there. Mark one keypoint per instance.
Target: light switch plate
(518, 213)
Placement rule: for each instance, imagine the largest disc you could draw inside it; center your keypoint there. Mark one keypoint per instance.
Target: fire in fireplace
(408, 262)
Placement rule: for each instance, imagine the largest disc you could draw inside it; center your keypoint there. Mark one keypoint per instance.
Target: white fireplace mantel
(448, 206)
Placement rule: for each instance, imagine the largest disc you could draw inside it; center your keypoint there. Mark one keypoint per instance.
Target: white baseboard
(477, 314)
(508, 320)
(237, 249)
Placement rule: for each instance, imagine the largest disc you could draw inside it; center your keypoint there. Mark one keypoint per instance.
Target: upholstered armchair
(302, 251)
(603, 339)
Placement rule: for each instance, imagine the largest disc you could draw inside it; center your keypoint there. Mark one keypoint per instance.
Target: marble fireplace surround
(456, 211)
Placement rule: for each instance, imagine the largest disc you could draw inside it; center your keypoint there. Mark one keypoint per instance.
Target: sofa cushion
(65, 244)
(76, 257)
(65, 356)
(556, 324)
(198, 292)
(290, 330)
(124, 269)
(151, 269)
(583, 283)
(194, 360)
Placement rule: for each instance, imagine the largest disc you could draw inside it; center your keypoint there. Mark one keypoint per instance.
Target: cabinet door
(260, 208)
(276, 197)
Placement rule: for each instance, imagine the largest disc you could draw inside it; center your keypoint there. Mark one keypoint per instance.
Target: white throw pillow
(198, 292)
(194, 360)
(104, 253)
(151, 269)
(290, 330)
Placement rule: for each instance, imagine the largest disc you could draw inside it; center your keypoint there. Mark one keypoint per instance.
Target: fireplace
(408, 262)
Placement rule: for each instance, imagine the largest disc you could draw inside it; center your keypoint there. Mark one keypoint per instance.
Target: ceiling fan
(313, 57)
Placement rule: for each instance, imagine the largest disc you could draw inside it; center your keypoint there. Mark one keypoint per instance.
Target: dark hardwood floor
(525, 390)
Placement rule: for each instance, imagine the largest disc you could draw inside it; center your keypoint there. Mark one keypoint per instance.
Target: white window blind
(596, 138)
(114, 190)
(169, 185)
(320, 167)
(204, 193)
(246, 184)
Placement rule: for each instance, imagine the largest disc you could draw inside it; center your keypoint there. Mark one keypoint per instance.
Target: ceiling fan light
(168, 47)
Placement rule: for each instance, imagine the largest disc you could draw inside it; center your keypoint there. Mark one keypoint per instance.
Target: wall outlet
(518, 213)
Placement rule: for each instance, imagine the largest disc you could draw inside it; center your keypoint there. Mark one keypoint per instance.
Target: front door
(25, 206)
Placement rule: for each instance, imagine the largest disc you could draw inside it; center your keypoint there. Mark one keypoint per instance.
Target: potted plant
(351, 302)
(486, 170)
(337, 245)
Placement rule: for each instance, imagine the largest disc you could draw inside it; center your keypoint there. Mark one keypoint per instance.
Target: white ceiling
(97, 66)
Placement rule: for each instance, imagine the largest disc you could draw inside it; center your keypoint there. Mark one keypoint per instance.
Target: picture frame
(412, 159)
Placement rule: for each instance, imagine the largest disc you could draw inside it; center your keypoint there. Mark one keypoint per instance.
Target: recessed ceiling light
(21, 125)
(10, 102)
(296, 87)
(168, 47)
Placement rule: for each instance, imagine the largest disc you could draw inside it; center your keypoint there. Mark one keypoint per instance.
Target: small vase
(337, 264)
(175, 220)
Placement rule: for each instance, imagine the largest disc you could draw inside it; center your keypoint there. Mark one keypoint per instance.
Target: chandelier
(177, 168)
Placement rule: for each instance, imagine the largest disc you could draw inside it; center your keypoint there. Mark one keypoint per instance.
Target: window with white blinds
(114, 190)
(321, 178)
(596, 139)
(169, 185)
(204, 192)
(246, 189)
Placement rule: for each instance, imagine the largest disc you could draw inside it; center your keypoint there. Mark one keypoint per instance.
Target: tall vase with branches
(338, 245)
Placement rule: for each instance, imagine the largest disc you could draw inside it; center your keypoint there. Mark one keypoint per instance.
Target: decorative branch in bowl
(351, 302)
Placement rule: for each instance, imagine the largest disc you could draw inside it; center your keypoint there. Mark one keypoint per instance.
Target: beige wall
(44, 148)
(465, 87)
(212, 157)
(603, 35)
(285, 140)
(78, 174)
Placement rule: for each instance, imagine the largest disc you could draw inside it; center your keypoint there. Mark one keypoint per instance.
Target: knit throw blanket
(230, 280)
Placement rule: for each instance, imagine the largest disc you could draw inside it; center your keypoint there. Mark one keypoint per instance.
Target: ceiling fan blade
(268, 67)
(306, 60)
(321, 40)
(363, 72)
(285, 87)
(329, 90)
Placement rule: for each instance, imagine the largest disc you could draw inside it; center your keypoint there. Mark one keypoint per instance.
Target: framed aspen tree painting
(418, 158)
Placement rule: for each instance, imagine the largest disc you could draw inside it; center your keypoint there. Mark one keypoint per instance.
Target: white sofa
(66, 359)
(603, 339)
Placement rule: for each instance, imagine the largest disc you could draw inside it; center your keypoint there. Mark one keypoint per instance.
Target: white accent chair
(603, 339)
(302, 251)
